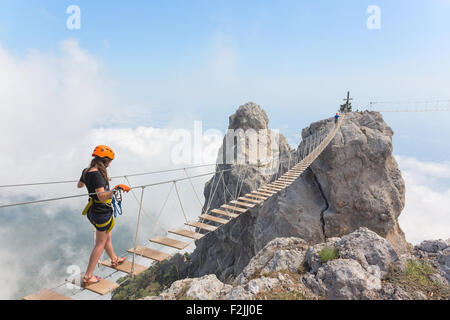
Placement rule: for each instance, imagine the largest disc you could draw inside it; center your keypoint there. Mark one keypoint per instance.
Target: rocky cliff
(354, 183)
(359, 179)
(358, 266)
(246, 175)
(347, 201)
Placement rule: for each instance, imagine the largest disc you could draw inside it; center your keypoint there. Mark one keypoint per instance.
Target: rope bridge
(208, 221)
(410, 106)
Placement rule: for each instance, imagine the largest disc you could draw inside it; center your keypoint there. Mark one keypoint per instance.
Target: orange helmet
(103, 151)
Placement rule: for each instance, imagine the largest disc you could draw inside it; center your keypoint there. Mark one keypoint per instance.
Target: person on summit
(99, 209)
(336, 117)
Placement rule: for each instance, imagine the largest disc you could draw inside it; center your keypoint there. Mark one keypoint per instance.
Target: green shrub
(418, 272)
(149, 283)
(328, 253)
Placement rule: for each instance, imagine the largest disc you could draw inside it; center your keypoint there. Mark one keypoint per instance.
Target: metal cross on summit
(347, 106)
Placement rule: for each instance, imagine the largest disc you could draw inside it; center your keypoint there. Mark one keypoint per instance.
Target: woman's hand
(123, 187)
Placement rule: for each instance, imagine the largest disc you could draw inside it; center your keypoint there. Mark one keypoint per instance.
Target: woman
(99, 210)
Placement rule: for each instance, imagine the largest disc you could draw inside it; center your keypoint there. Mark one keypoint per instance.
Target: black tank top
(94, 180)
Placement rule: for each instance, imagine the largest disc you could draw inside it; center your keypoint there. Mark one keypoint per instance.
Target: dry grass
(284, 291)
(416, 278)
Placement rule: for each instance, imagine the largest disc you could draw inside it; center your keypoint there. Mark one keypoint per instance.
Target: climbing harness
(115, 203)
(111, 220)
(92, 201)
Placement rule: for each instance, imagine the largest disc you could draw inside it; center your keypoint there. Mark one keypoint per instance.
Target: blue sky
(202, 59)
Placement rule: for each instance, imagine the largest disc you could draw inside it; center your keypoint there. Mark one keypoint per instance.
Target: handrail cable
(93, 193)
(114, 177)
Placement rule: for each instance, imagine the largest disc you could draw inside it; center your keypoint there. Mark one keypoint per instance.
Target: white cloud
(9, 276)
(49, 105)
(427, 210)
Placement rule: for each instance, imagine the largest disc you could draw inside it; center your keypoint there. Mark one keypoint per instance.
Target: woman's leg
(100, 240)
(109, 247)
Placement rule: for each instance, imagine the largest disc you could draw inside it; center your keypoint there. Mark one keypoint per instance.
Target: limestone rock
(437, 254)
(207, 288)
(345, 279)
(433, 246)
(391, 292)
(250, 167)
(369, 249)
(292, 213)
(204, 288)
(290, 268)
(256, 286)
(444, 262)
(238, 293)
(249, 116)
(354, 183)
(279, 254)
(360, 179)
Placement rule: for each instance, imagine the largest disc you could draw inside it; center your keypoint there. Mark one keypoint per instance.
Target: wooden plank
(226, 206)
(279, 184)
(225, 213)
(102, 287)
(46, 294)
(180, 245)
(150, 253)
(274, 190)
(187, 233)
(287, 179)
(268, 191)
(243, 204)
(125, 267)
(200, 225)
(264, 193)
(256, 196)
(250, 200)
(214, 219)
(270, 188)
(291, 176)
(282, 186)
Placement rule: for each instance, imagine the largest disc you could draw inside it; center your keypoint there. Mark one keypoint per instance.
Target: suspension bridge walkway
(208, 221)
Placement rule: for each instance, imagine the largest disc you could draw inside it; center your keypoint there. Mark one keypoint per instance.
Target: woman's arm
(102, 195)
(80, 184)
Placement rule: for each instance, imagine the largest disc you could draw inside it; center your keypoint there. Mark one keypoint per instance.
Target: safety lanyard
(117, 197)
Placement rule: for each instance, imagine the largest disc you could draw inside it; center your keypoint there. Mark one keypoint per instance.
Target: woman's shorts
(101, 221)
